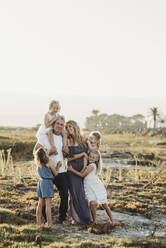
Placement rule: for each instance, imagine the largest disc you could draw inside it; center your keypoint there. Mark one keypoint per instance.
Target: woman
(77, 159)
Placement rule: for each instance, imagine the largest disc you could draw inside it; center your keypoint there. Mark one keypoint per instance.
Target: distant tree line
(115, 123)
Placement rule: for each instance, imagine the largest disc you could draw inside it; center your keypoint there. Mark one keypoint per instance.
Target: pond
(125, 165)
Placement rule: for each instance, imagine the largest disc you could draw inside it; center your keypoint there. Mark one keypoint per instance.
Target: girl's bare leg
(51, 140)
(108, 211)
(39, 211)
(93, 210)
(48, 211)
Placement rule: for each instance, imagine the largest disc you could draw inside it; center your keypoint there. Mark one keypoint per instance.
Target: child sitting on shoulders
(46, 127)
(95, 191)
(45, 191)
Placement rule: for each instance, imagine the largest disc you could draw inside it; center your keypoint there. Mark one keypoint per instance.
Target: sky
(109, 55)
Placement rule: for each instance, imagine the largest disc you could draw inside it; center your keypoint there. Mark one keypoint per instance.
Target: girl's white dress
(94, 188)
(43, 130)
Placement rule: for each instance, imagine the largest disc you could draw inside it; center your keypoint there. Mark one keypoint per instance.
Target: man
(60, 181)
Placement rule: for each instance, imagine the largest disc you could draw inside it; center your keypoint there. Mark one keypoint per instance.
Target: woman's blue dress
(78, 205)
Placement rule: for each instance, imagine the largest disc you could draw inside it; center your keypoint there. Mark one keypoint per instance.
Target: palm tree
(154, 112)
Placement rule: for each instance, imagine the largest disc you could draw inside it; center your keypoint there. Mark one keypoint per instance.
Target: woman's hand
(69, 168)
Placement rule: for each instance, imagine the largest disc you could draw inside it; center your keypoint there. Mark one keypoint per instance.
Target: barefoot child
(93, 142)
(45, 192)
(95, 191)
(46, 127)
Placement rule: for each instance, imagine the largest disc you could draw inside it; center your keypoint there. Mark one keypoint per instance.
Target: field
(137, 197)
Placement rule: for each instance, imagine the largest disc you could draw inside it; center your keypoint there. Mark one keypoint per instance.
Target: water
(124, 165)
(157, 141)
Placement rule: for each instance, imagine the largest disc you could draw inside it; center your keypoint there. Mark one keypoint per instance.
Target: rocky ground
(138, 207)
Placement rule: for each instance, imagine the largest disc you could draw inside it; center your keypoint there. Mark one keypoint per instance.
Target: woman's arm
(85, 164)
(76, 156)
(81, 174)
(48, 123)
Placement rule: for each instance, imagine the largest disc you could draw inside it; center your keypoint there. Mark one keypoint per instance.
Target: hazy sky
(78, 48)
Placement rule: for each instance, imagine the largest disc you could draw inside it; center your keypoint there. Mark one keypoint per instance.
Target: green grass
(13, 236)
(22, 142)
(7, 216)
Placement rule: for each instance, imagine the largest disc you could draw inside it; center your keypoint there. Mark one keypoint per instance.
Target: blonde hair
(54, 102)
(99, 162)
(77, 134)
(97, 136)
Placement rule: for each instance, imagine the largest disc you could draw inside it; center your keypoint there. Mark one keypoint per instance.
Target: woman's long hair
(77, 137)
(41, 156)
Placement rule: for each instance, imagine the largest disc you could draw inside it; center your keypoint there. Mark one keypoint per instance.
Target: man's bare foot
(66, 222)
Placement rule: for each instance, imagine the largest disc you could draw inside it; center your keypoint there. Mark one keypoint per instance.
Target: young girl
(94, 140)
(45, 192)
(95, 191)
(46, 127)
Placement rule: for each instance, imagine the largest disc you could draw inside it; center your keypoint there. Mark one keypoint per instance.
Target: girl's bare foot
(48, 226)
(93, 223)
(42, 225)
(111, 224)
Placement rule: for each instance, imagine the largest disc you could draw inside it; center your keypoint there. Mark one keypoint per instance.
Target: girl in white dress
(93, 141)
(49, 119)
(95, 191)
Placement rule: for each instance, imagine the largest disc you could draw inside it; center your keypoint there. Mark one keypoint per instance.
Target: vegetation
(20, 141)
(115, 123)
(128, 192)
(140, 192)
(154, 113)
